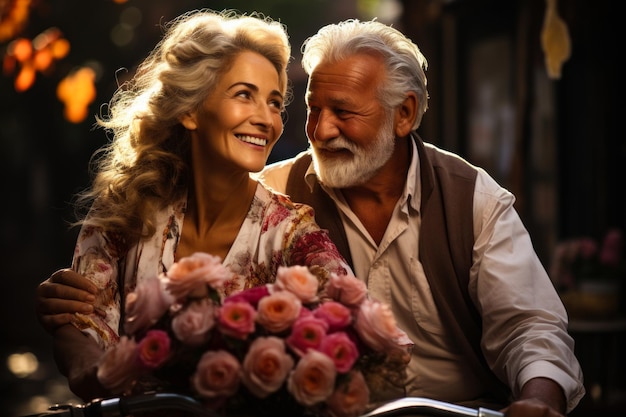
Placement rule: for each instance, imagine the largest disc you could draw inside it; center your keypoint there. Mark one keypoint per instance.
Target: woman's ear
(189, 121)
(405, 115)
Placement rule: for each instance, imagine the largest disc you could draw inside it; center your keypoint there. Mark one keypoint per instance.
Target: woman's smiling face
(240, 121)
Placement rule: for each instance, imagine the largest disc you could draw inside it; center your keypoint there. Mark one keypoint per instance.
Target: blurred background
(527, 89)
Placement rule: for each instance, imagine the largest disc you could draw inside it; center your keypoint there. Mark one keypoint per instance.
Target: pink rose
(341, 349)
(351, 396)
(218, 374)
(304, 312)
(313, 379)
(307, 333)
(266, 366)
(377, 327)
(236, 319)
(146, 305)
(118, 366)
(587, 247)
(347, 289)
(192, 324)
(299, 280)
(335, 314)
(154, 349)
(191, 274)
(250, 295)
(278, 311)
(612, 248)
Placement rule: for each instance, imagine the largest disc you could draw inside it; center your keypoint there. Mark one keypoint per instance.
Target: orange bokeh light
(60, 48)
(13, 18)
(21, 49)
(43, 60)
(36, 55)
(25, 78)
(77, 91)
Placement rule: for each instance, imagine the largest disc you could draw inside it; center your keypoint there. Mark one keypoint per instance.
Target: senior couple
(430, 234)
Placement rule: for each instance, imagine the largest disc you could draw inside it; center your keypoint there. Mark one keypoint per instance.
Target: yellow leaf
(555, 40)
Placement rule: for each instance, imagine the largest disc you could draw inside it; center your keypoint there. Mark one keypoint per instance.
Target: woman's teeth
(253, 140)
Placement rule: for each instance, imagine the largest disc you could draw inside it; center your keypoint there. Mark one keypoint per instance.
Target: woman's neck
(216, 209)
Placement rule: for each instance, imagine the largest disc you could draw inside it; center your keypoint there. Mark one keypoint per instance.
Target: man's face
(350, 131)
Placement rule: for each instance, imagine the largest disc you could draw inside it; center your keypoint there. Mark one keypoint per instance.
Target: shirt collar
(413, 187)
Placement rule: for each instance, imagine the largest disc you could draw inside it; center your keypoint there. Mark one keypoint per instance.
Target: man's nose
(325, 127)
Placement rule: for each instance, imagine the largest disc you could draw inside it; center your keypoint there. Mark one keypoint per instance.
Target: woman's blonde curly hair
(146, 165)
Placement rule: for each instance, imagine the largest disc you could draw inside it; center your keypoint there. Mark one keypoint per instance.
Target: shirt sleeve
(93, 259)
(524, 321)
(309, 245)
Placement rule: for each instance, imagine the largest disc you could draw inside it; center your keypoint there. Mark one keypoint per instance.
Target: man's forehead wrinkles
(330, 98)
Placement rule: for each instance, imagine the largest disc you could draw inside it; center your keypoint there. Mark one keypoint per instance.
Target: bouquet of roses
(279, 349)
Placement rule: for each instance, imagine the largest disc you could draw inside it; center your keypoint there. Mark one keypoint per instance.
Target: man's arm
(540, 397)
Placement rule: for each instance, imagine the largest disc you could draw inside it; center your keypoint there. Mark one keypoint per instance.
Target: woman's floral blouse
(276, 232)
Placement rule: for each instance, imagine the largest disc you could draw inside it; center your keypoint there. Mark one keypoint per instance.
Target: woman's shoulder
(271, 197)
(275, 207)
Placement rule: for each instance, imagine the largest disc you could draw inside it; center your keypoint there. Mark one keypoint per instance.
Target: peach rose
(278, 311)
(299, 280)
(266, 366)
(351, 396)
(191, 274)
(218, 374)
(313, 379)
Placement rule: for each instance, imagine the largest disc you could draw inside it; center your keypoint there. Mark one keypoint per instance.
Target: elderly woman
(202, 112)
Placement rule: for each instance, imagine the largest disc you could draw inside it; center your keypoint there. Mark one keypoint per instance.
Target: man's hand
(60, 296)
(540, 397)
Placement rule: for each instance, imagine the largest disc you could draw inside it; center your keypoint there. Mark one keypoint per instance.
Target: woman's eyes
(277, 103)
(244, 93)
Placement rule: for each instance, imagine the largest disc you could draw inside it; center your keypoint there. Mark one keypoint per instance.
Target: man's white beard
(365, 162)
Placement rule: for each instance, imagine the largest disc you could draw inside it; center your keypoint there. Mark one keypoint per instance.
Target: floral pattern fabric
(276, 232)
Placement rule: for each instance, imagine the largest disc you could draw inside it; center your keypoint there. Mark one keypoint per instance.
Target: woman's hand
(60, 296)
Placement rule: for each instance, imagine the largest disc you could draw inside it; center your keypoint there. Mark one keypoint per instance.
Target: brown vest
(445, 246)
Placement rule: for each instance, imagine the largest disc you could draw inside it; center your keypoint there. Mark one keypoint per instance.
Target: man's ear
(406, 114)
(189, 121)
